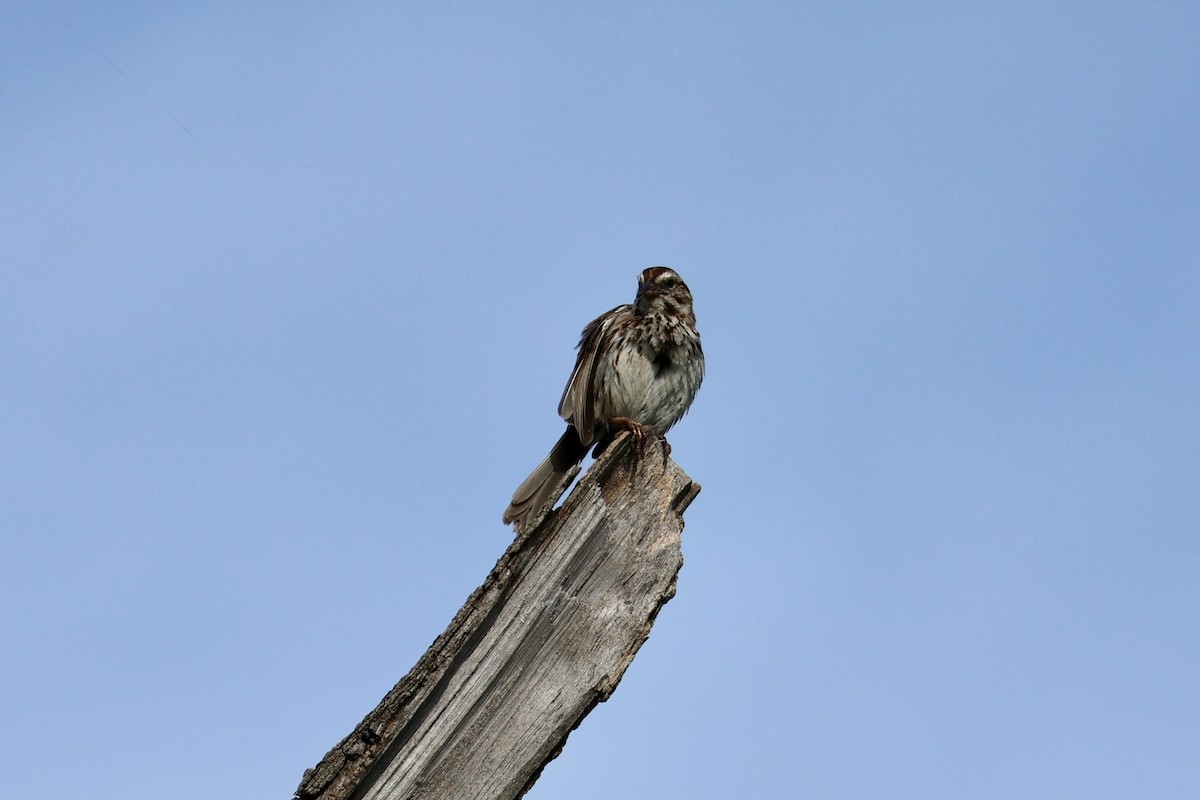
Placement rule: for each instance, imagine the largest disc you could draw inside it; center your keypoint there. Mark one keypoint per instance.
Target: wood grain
(547, 636)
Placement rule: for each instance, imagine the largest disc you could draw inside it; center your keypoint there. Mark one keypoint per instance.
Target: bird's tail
(537, 490)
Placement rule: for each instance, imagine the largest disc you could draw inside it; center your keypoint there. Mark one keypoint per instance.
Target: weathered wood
(547, 636)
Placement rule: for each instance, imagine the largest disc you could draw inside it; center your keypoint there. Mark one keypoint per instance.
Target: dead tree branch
(547, 636)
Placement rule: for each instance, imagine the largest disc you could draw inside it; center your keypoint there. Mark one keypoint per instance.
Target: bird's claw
(641, 435)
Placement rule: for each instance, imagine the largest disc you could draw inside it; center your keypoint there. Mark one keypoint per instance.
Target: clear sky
(290, 291)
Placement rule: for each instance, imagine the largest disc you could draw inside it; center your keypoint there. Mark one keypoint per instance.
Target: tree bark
(547, 636)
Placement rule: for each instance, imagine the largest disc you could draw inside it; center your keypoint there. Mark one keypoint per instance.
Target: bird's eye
(669, 282)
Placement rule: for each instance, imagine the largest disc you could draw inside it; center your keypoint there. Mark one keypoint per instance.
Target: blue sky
(290, 292)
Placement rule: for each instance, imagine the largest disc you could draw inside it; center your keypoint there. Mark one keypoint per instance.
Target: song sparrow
(639, 367)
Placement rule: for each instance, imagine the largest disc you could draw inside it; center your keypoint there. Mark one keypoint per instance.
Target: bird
(639, 367)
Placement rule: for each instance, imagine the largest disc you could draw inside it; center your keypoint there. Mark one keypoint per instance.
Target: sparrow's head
(661, 289)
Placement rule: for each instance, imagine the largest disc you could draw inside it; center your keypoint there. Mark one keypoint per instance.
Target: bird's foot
(641, 436)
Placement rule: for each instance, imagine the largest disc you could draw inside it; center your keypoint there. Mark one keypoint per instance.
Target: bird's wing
(578, 405)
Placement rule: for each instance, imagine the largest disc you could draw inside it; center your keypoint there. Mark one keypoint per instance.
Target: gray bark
(547, 636)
